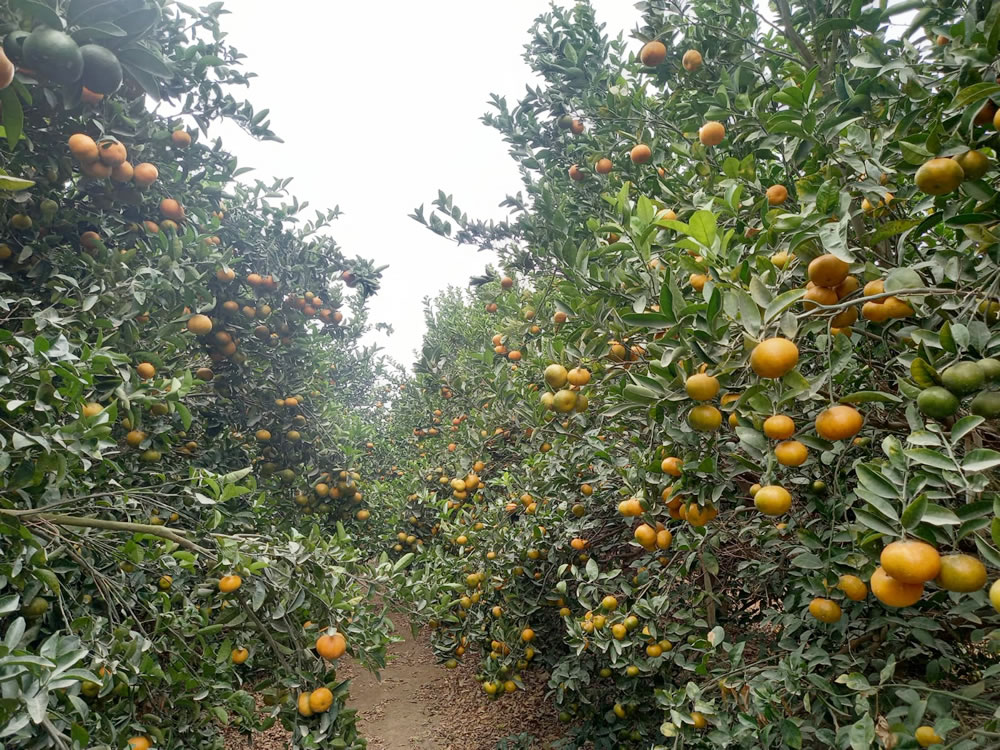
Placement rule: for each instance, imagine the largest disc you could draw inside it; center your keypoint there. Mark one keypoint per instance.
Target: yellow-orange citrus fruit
(779, 427)
(839, 422)
(910, 561)
(853, 587)
(229, 583)
(776, 195)
(772, 500)
(926, 736)
(774, 357)
(320, 700)
(702, 387)
(671, 465)
(939, 176)
(640, 154)
(711, 133)
(692, 60)
(705, 418)
(791, 453)
(199, 324)
(653, 53)
(827, 270)
(961, 573)
(824, 610)
(331, 647)
(892, 592)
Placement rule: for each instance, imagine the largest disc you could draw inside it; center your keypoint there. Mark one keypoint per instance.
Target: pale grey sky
(379, 106)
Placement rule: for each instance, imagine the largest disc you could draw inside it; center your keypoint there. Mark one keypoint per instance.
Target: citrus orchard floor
(418, 704)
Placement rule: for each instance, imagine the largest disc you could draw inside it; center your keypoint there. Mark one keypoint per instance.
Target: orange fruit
(144, 174)
(926, 736)
(986, 113)
(83, 148)
(772, 500)
(705, 418)
(853, 587)
(894, 593)
(172, 209)
(527, 635)
(819, 295)
(779, 427)
(96, 169)
(578, 376)
(139, 743)
(331, 647)
(122, 172)
(645, 535)
(697, 281)
(89, 240)
(827, 270)
(897, 308)
(962, 573)
(774, 357)
(320, 700)
(698, 720)
(776, 195)
(180, 138)
(640, 154)
(653, 53)
(692, 60)
(303, 705)
(199, 324)
(910, 561)
(845, 318)
(711, 133)
(229, 583)
(145, 370)
(699, 516)
(839, 423)
(575, 174)
(939, 176)
(876, 312)
(111, 153)
(824, 610)
(239, 655)
(91, 409)
(791, 453)
(671, 465)
(603, 166)
(135, 437)
(702, 387)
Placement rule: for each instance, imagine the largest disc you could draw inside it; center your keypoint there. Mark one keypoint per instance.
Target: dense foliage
(736, 370)
(184, 400)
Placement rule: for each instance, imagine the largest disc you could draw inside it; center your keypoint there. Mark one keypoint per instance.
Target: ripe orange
(96, 169)
(172, 209)
(91, 409)
(229, 583)
(331, 647)
(846, 317)
(303, 704)
(973, 163)
(702, 387)
(839, 423)
(653, 53)
(199, 324)
(825, 610)
(576, 127)
(776, 195)
(575, 174)
(910, 561)
(791, 453)
(699, 516)
(603, 166)
(145, 370)
(897, 308)
(239, 655)
(122, 172)
(645, 535)
(320, 700)
(892, 592)
(986, 113)
(527, 635)
(779, 427)
(711, 133)
(772, 500)
(135, 437)
(144, 174)
(692, 60)
(111, 153)
(774, 357)
(640, 154)
(853, 587)
(705, 418)
(926, 736)
(697, 281)
(181, 138)
(939, 176)
(698, 720)
(578, 376)
(139, 743)
(876, 312)
(664, 538)
(827, 270)
(89, 240)
(819, 295)
(671, 465)
(962, 573)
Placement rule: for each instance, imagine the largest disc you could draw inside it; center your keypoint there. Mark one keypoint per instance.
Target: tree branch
(793, 36)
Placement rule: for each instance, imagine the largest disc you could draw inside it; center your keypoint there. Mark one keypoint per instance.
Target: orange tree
(718, 442)
(183, 395)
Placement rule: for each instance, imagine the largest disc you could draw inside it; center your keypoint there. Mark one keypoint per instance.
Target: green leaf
(874, 480)
(14, 184)
(781, 303)
(964, 426)
(39, 12)
(145, 60)
(791, 736)
(809, 561)
(914, 512)
(403, 561)
(875, 523)
(938, 516)
(977, 92)
(647, 320)
(930, 458)
(981, 459)
(13, 116)
(702, 227)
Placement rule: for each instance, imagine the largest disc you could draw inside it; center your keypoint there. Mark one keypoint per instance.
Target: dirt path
(420, 705)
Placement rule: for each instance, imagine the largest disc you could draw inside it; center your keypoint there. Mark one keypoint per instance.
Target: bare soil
(420, 705)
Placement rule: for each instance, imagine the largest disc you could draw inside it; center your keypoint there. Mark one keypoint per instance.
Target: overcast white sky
(379, 106)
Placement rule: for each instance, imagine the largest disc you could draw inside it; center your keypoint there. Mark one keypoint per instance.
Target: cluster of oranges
(566, 396)
(108, 158)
